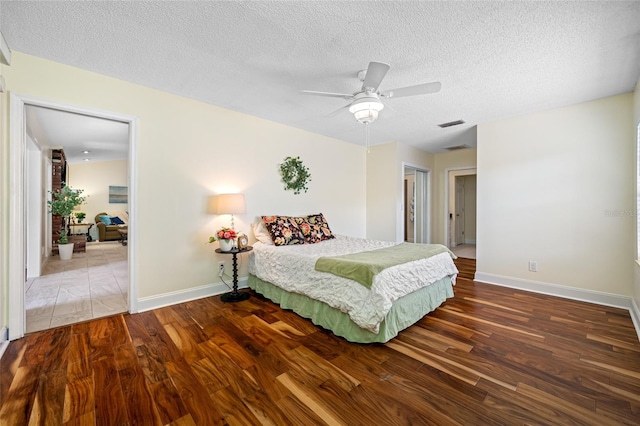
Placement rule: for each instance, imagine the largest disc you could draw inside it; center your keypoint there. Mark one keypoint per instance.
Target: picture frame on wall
(118, 194)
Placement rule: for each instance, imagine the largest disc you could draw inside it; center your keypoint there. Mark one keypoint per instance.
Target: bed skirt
(405, 311)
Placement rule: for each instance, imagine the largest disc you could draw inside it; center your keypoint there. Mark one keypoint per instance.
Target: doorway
(23, 208)
(460, 228)
(416, 205)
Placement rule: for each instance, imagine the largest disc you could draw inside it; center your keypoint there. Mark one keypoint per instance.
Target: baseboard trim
(175, 297)
(590, 296)
(635, 316)
(600, 298)
(4, 340)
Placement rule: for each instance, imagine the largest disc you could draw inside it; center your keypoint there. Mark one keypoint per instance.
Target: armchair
(108, 232)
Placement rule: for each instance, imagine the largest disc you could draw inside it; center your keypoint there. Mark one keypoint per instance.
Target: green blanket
(363, 266)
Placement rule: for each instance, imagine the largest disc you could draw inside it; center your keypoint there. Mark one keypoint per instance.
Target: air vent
(457, 147)
(451, 123)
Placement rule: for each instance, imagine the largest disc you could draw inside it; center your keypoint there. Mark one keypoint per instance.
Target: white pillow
(261, 233)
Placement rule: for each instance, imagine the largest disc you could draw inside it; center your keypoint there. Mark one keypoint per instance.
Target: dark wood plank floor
(491, 355)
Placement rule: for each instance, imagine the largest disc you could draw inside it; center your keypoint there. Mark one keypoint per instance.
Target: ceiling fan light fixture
(366, 111)
(366, 103)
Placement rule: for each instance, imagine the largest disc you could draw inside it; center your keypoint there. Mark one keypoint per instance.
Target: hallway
(90, 285)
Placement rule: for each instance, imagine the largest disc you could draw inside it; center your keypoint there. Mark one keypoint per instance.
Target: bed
(295, 277)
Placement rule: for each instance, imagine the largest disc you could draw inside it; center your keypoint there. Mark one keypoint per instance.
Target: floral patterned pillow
(318, 229)
(284, 230)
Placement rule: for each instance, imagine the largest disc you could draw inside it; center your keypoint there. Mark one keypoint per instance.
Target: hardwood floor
(490, 355)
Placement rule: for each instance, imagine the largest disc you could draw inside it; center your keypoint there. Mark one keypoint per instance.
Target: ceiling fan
(366, 103)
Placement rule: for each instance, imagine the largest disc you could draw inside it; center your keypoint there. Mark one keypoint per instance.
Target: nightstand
(235, 295)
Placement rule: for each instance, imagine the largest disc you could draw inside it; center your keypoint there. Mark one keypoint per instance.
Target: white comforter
(292, 269)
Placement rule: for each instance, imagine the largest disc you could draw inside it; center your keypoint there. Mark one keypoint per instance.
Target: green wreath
(295, 175)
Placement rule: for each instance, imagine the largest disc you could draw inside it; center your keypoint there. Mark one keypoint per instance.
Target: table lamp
(229, 204)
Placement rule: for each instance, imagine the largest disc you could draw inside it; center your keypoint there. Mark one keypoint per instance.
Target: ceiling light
(366, 107)
(86, 152)
(87, 159)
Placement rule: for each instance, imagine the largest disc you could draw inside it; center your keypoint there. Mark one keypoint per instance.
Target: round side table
(235, 295)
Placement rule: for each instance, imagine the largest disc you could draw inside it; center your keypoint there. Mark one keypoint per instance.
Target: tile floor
(468, 251)
(90, 285)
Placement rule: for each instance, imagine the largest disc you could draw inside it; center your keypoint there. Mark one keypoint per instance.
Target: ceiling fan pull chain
(366, 126)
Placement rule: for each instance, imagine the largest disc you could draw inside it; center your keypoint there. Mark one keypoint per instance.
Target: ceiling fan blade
(386, 105)
(329, 94)
(375, 74)
(336, 112)
(418, 89)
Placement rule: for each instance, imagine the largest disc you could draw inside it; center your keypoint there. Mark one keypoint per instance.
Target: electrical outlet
(220, 269)
(533, 266)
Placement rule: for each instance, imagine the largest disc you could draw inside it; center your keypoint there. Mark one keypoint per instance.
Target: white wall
(550, 187)
(95, 179)
(385, 188)
(382, 192)
(187, 151)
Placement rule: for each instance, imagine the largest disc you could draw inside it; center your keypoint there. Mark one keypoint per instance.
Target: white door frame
(34, 190)
(450, 174)
(17, 222)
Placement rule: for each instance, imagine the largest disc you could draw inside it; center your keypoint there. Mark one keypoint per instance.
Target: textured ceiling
(494, 59)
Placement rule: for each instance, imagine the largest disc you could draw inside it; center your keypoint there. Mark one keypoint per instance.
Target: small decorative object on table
(80, 216)
(226, 236)
(243, 241)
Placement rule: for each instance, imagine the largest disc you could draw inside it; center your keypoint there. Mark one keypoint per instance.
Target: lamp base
(235, 296)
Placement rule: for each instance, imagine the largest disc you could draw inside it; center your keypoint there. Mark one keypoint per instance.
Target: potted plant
(80, 216)
(65, 248)
(226, 236)
(63, 202)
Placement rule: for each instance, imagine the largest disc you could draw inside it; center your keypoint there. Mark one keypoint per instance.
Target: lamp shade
(229, 204)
